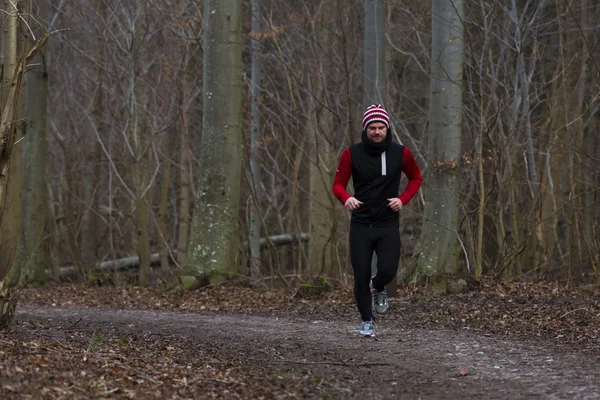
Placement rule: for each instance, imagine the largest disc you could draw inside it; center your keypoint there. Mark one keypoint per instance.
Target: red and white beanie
(373, 113)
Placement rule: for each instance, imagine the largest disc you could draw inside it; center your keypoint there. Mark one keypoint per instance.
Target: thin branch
(342, 363)
(18, 14)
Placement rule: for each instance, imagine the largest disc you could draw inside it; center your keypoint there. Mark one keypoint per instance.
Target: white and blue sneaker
(380, 301)
(367, 329)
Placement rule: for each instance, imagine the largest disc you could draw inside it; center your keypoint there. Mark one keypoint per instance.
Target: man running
(375, 165)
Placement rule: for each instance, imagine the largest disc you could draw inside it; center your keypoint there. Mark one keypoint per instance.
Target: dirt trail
(400, 363)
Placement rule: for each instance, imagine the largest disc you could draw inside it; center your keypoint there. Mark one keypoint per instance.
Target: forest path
(400, 363)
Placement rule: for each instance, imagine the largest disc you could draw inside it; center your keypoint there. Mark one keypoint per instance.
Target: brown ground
(501, 342)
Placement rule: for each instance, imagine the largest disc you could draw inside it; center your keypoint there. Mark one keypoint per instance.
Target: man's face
(376, 131)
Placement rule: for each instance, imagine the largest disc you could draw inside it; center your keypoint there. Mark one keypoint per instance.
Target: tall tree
(322, 211)
(138, 98)
(374, 73)
(255, 139)
(438, 248)
(8, 293)
(11, 208)
(213, 250)
(30, 252)
(374, 54)
(91, 222)
(189, 137)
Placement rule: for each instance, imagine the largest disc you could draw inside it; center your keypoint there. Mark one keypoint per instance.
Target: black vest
(374, 184)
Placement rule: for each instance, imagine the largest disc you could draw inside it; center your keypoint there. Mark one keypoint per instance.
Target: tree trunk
(30, 254)
(322, 210)
(577, 176)
(213, 250)
(438, 248)
(296, 206)
(141, 175)
(140, 179)
(255, 140)
(8, 293)
(90, 229)
(555, 159)
(11, 203)
(374, 54)
(531, 253)
(374, 74)
(185, 173)
(163, 208)
(56, 240)
(141, 214)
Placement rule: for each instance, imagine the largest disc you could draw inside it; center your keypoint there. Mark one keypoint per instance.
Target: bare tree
(374, 61)
(30, 253)
(91, 218)
(438, 251)
(255, 140)
(9, 289)
(213, 251)
(375, 81)
(11, 207)
(323, 209)
(190, 126)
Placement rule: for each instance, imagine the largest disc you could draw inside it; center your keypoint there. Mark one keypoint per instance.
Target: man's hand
(352, 204)
(395, 204)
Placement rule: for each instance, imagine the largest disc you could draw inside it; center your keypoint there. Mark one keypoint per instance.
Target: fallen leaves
(109, 370)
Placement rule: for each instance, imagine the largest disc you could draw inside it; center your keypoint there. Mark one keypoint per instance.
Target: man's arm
(413, 173)
(342, 176)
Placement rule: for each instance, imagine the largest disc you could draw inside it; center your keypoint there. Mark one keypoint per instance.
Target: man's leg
(361, 251)
(387, 248)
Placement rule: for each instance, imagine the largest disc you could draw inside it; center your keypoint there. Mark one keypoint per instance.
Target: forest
(167, 155)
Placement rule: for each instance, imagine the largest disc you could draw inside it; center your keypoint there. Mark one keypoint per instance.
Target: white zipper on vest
(383, 164)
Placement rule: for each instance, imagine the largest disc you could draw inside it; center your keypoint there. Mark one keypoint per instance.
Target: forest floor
(501, 341)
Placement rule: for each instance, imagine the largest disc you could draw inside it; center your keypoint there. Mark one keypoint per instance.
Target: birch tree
(213, 251)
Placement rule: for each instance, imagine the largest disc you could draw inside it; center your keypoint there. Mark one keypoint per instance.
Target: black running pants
(385, 242)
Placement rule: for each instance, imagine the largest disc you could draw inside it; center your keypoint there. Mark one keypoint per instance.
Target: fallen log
(134, 261)
(283, 239)
(110, 265)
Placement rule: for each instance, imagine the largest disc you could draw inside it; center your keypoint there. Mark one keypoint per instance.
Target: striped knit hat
(373, 113)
